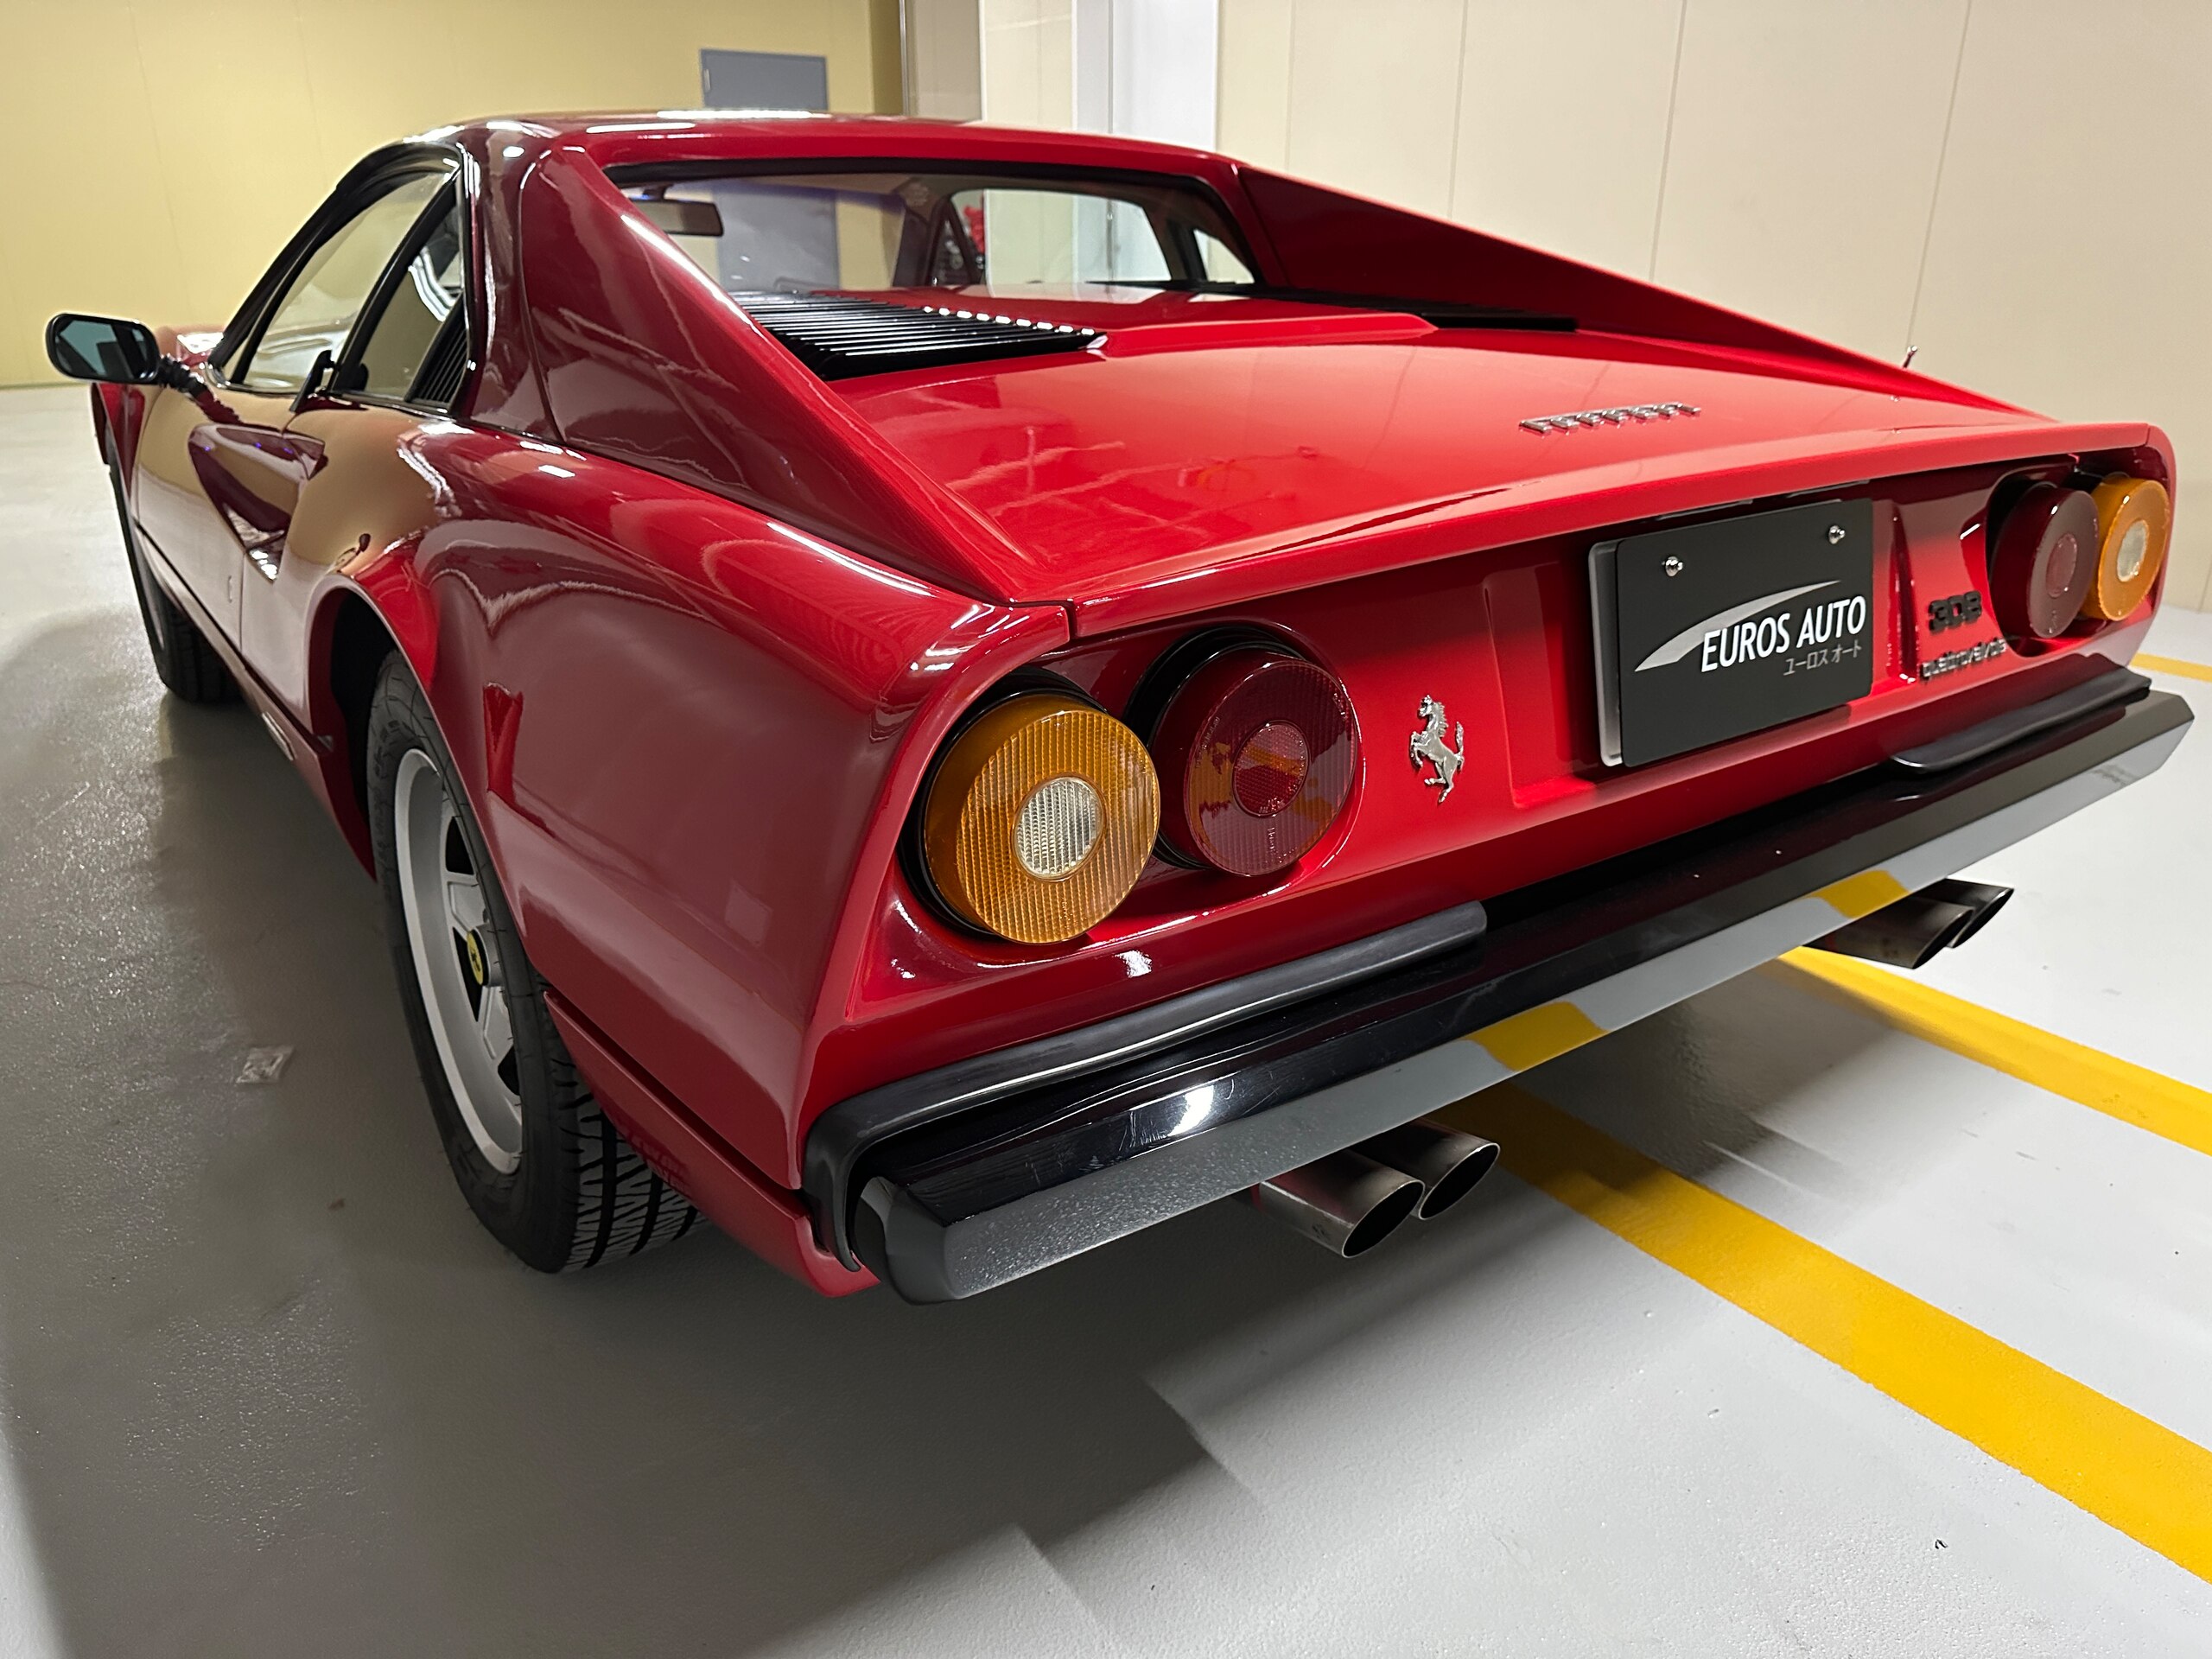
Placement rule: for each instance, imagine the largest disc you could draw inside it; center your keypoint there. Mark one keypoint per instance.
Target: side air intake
(838, 336)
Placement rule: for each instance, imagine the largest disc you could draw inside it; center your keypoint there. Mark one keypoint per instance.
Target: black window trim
(373, 173)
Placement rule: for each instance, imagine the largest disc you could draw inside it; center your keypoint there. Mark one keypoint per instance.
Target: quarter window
(425, 295)
(327, 293)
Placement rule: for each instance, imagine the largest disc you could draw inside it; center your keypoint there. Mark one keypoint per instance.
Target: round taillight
(1039, 818)
(2134, 520)
(1256, 752)
(2044, 562)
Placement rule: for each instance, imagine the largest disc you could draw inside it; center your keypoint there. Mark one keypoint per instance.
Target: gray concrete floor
(265, 1388)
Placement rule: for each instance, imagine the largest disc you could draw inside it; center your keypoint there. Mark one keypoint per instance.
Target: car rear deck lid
(839, 336)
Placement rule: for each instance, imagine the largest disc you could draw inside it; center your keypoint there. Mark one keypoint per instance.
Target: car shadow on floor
(268, 1388)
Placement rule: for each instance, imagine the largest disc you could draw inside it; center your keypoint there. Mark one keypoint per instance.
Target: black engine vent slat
(438, 381)
(838, 336)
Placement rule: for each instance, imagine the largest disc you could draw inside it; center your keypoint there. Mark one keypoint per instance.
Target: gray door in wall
(763, 81)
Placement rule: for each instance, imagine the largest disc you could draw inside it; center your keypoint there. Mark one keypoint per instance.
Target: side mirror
(103, 348)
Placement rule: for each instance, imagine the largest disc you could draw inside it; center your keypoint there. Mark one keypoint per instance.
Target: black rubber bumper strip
(852, 1128)
(956, 1180)
(1961, 747)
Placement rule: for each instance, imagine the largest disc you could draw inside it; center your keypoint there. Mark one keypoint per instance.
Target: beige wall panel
(1374, 96)
(222, 122)
(88, 228)
(945, 44)
(886, 75)
(235, 145)
(578, 54)
(1563, 112)
(1029, 63)
(405, 50)
(1252, 107)
(2071, 259)
(1803, 159)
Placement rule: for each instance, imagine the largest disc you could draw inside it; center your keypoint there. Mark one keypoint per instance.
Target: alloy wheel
(449, 934)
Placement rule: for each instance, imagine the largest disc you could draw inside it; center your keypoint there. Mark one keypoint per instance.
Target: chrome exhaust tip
(1346, 1203)
(1983, 900)
(1446, 1163)
(1907, 933)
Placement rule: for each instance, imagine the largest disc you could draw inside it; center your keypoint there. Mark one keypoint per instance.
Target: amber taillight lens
(1256, 752)
(1039, 818)
(2043, 561)
(2134, 518)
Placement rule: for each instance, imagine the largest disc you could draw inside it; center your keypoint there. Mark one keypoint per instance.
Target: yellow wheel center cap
(475, 955)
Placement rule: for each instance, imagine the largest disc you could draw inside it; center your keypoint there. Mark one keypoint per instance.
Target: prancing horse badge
(1429, 748)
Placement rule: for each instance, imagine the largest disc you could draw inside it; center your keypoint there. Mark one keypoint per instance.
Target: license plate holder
(1712, 631)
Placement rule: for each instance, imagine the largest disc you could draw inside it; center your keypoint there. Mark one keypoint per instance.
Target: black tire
(188, 665)
(579, 1193)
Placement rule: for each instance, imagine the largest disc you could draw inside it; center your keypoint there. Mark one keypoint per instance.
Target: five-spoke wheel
(456, 961)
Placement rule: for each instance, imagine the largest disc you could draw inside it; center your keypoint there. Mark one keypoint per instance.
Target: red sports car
(937, 695)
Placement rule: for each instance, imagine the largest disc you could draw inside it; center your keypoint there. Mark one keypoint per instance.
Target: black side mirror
(103, 348)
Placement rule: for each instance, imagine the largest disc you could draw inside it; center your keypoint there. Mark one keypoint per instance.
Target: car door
(218, 477)
(398, 368)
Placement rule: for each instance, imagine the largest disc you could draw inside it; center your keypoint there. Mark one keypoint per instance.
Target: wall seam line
(160, 163)
(1458, 116)
(1936, 190)
(1667, 142)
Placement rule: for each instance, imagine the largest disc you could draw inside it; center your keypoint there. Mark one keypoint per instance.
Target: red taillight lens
(1256, 752)
(2045, 558)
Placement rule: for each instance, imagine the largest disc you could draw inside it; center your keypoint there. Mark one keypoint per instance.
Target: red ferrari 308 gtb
(944, 694)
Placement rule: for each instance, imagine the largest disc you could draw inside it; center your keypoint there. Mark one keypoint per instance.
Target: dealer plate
(1711, 631)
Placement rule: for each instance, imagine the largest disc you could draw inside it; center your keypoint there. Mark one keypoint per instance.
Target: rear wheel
(543, 1168)
(188, 665)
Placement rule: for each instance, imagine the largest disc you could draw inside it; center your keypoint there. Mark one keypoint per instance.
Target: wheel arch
(366, 616)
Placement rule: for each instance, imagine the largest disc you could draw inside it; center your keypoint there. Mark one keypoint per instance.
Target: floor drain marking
(264, 1065)
(2134, 1094)
(2132, 1473)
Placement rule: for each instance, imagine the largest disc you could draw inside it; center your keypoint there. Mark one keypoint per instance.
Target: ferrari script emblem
(1429, 748)
(1621, 415)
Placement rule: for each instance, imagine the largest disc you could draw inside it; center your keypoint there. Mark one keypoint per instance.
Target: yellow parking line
(2172, 665)
(2133, 1094)
(2121, 1467)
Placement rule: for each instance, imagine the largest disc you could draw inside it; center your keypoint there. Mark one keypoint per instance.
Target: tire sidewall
(531, 1208)
(150, 600)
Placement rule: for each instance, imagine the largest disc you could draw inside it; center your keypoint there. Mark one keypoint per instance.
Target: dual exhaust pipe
(1909, 933)
(1350, 1201)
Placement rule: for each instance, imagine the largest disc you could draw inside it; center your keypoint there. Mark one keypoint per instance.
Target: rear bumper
(962, 1178)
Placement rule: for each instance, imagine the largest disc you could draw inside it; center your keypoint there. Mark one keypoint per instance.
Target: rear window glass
(890, 230)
